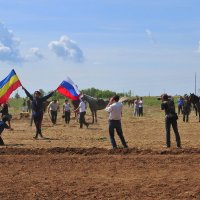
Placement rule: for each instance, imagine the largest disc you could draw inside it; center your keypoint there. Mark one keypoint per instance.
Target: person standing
(37, 109)
(186, 108)
(114, 108)
(140, 105)
(136, 107)
(53, 108)
(180, 105)
(82, 111)
(170, 120)
(66, 111)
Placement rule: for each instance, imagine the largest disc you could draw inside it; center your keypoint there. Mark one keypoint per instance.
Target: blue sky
(146, 46)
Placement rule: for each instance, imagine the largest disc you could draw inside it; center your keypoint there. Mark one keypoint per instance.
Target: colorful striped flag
(8, 85)
(69, 89)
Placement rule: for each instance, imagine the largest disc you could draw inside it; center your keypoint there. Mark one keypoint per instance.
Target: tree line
(94, 92)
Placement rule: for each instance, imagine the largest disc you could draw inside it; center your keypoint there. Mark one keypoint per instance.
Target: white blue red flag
(68, 89)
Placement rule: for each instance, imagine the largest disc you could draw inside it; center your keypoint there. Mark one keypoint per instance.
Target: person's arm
(47, 96)
(27, 93)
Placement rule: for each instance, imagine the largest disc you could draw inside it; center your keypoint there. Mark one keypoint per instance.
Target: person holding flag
(37, 109)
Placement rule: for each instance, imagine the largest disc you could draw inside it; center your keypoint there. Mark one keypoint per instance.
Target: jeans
(67, 117)
(168, 123)
(53, 116)
(116, 124)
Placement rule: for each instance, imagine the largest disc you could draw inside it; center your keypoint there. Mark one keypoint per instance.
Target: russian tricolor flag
(69, 89)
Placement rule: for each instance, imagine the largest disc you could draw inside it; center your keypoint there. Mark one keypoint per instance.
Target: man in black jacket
(37, 109)
(170, 119)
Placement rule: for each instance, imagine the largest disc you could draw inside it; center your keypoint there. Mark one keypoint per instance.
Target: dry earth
(73, 163)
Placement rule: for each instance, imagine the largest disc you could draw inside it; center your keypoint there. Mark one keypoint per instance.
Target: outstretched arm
(47, 96)
(27, 93)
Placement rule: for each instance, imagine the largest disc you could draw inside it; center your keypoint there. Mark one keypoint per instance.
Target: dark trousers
(82, 119)
(116, 124)
(180, 109)
(37, 118)
(185, 117)
(168, 123)
(67, 117)
(140, 111)
(53, 116)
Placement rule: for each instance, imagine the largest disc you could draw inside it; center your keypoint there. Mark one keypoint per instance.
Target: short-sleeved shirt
(53, 106)
(66, 106)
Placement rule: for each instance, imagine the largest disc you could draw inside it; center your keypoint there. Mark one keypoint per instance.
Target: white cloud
(150, 35)
(9, 48)
(67, 49)
(34, 53)
(9, 45)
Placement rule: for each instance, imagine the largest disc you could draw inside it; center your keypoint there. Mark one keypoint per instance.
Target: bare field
(73, 163)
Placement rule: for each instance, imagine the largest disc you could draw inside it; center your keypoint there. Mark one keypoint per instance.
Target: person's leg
(111, 134)
(55, 116)
(81, 118)
(1, 141)
(187, 117)
(120, 133)
(40, 118)
(175, 128)
(167, 127)
(68, 116)
(84, 122)
(35, 119)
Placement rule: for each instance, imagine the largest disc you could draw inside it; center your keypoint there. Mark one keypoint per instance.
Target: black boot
(1, 142)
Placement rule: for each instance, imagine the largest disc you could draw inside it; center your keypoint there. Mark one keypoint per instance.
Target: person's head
(37, 93)
(66, 100)
(55, 101)
(116, 98)
(165, 97)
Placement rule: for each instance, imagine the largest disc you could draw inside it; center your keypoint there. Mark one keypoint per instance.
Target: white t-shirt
(82, 107)
(115, 111)
(53, 106)
(66, 106)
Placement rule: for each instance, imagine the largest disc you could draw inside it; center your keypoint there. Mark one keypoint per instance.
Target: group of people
(114, 108)
(138, 107)
(184, 107)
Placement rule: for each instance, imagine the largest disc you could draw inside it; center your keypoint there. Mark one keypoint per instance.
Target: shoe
(87, 125)
(179, 147)
(35, 137)
(165, 146)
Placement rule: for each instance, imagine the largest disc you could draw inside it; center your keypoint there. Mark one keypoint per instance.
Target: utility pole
(195, 83)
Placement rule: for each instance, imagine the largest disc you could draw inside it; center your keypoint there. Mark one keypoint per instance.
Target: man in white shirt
(66, 111)
(82, 111)
(114, 108)
(53, 108)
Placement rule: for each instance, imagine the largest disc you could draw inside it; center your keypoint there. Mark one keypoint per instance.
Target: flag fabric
(8, 85)
(69, 89)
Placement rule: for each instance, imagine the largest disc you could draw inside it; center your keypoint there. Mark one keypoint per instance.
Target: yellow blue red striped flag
(8, 85)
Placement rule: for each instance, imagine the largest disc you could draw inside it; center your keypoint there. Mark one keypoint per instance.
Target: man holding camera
(170, 120)
(114, 108)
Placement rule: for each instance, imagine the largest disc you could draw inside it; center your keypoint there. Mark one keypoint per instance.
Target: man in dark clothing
(170, 119)
(186, 108)
(5, 114)
(37, 109)
(3, 125)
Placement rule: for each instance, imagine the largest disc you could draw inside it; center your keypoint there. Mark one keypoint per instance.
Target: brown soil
(73, 163)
